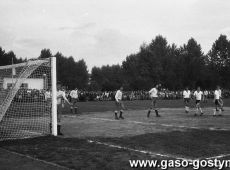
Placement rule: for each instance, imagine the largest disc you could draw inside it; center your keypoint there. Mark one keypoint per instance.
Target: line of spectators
(26, 95)
(139, 95)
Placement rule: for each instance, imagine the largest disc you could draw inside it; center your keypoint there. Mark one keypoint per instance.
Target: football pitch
(93, 139)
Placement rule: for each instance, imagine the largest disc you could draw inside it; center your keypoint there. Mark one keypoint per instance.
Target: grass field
(94, 140)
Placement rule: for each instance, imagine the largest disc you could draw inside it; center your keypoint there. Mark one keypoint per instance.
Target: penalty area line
(139, 151)
(219, 156)
(164, 125)
(35, 159)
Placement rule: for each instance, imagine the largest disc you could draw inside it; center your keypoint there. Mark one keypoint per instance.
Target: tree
(70, 73)
(148, 66)
(7, 58)
(219, 60)
(81, 74)
(107, 78)
(45, 53)
(192, 63)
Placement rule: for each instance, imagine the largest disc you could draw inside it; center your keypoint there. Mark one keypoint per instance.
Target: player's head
(59, 85)
(198, 88)
(186, 88)
(218, 87)
(121, 88)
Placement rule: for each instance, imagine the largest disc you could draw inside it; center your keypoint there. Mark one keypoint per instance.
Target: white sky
(106, 31)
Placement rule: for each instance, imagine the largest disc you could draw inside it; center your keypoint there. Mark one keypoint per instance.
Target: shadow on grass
(79, 154)
(74, 153)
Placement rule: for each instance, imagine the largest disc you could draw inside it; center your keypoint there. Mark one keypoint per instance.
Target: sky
(106, 31)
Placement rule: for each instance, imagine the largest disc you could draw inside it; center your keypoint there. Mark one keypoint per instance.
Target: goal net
(25, 99)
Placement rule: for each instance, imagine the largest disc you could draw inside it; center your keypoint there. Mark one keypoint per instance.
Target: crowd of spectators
(29, 95)
(26, 95)
(139, 95)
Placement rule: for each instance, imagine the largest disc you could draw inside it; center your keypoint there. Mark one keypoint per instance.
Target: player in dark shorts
(198, 94)
(154, 96)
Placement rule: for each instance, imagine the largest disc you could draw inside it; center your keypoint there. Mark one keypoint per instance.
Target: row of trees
(157, 62)
(70, 73)
(173, 67)
(7, 58)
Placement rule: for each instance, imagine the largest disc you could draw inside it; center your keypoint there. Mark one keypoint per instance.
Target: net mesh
(25, 99)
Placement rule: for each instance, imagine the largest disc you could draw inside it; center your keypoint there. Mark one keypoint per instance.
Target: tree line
(173, 67)
(7, 58)
(70, 73)
(155, 63)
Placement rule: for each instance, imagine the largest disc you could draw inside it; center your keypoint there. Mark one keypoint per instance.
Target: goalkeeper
(60, 95)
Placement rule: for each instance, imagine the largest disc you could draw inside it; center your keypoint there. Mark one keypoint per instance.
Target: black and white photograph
(114, 84)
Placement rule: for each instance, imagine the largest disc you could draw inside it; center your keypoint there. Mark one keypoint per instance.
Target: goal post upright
(54, 95)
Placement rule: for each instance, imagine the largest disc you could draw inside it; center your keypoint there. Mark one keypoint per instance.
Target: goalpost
(28, 106)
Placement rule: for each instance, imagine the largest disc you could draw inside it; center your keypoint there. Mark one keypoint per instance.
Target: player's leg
(59, 113)
(122, 107)
(220, 107)
(197, 108)
(75, 106)
(186, 105)
(155, 107)
(216, 107)
(201, 112)
(72, 106)
(116, 111)
(221, 104)
(151, 107)
(188, 100)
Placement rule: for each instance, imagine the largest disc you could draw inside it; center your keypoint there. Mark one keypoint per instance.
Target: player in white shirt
(119, 104)
(186, 96)
(218, 101)
(60, 96)
(198, 94)
(153, 95)
(74, 99)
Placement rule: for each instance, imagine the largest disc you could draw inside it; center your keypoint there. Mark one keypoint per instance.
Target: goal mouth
(25, 99)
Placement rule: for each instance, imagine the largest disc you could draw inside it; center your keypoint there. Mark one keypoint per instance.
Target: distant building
(28, 83)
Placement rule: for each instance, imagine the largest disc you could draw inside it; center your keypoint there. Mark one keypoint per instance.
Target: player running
(74, 98)
(198, 94)
(119, 104)
(153, 95)
(218, 101)
(186, 96)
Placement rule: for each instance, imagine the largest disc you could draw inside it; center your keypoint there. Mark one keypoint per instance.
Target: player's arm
(158, 92)
(214, 98)
(221, 95)
(64, 97)
(150, 91)
(71, 93)
(77, 95)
